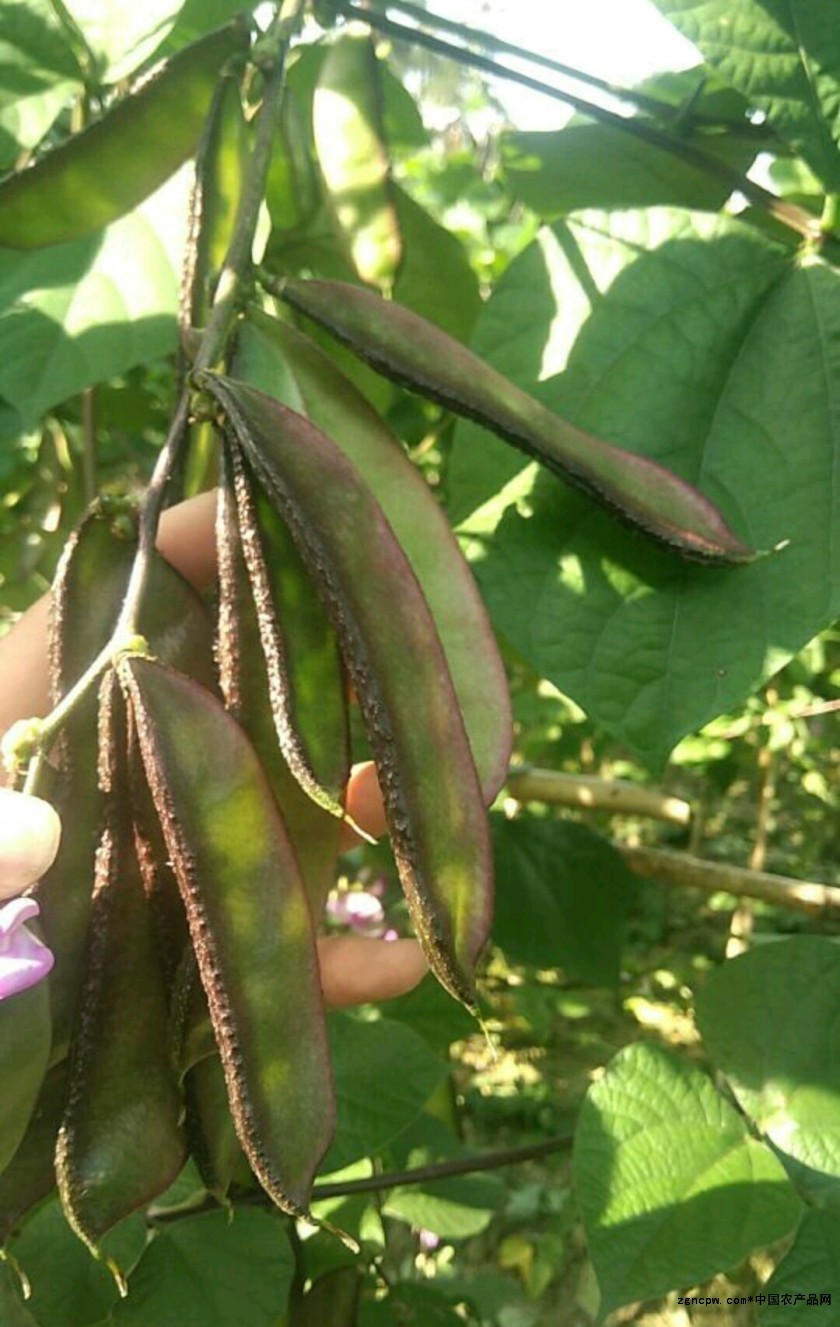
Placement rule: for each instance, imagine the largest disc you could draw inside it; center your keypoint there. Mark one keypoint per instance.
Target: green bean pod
(120, 1143)
(213, 1143)
(249, 920)
(430, 787)
(75, 188)
(412, 351)
(302, 658)
(87, 594)
(314, 831)
(277, 359)
(353, 157)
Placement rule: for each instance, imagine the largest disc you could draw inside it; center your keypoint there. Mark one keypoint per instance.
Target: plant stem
(796, 218)
(394, 1179)
(489, 42)
(510, 1156)
(273, 48)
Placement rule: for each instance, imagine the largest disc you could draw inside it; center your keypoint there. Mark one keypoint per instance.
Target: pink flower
(24, 959)
(358, 909)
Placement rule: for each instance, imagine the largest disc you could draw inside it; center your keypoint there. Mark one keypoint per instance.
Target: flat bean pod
(279, 360)
(75, 188)
(120, 1143)
(302, 658)
(87, 594)
(419, 355)
(313, 830)
(249, 920)
(430, 787)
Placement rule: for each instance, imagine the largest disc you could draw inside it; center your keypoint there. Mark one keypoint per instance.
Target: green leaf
(428, 1010)
(25, 1035)
(562, 894)
(690, 339)
(38, 76)
(332, 1299)
(434, 278)
(769, 1018)
(13, 1311)
(76, 314)
(784, 56)
(671, 1186)
(69, 1288)
(74, 189)
(591, 164)
(211, 1271)
(454, 1208)
(811, 1265)
(122, 34)
(384, 1074)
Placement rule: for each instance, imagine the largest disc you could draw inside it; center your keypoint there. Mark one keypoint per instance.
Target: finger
(29, 835)
(364, 805)
(356, 970)
(24, 690)
(187, 539)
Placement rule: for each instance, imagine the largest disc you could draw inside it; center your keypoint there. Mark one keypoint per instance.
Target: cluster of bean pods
(203, 788)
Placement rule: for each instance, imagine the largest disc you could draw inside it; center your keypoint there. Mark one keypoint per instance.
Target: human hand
(354, 970)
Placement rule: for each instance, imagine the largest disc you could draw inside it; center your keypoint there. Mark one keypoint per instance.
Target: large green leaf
(25, 1032)
(691, 339)
(122, 34)
(69, 1288)
(76, 314)
(434, 278)
(13, 1311)
(671, 1186)
(811, 1267)
(769, 1018)
(211, 1271)
(38, 75)
(784, 55)
(375, 1100)
(454, 1208)
(591, 164)
(562, 894)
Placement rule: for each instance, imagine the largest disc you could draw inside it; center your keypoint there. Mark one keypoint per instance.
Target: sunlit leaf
(671, 1185)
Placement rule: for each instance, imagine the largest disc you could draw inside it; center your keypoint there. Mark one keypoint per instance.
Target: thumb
(29, 835)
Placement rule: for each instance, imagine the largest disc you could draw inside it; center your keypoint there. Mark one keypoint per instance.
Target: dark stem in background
(788, 214)
(642, 100)
(393, 1179)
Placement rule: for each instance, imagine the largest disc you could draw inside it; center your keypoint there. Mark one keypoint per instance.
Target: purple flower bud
(428, 1239)
(24, 959)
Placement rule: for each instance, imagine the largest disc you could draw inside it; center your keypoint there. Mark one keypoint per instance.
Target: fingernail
(30, 832)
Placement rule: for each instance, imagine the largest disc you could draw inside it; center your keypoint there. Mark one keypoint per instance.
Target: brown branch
(589, 793)
(669, 867)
